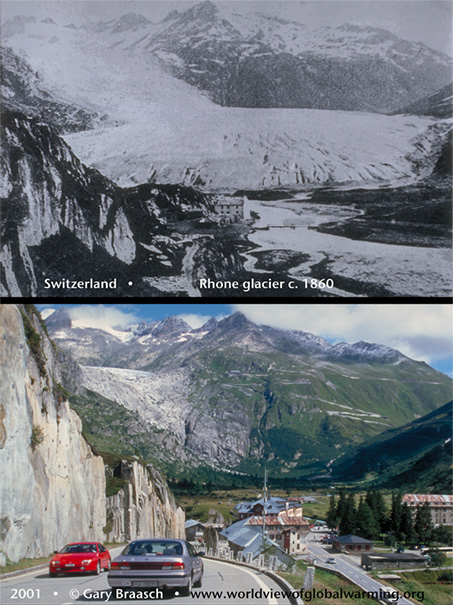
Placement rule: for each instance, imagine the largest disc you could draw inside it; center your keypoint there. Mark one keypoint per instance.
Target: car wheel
(98, 568)
(109, 562)
(198, 583)
(185, 591)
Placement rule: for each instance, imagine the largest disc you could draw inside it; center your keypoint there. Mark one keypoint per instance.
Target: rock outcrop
(53, 487)
(144, 507)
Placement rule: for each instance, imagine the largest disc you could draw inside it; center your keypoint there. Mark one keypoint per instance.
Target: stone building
(391, 561)
(229, 209)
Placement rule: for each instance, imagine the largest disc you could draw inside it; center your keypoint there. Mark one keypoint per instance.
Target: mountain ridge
(235, 395)
(412, 454)
(204, 75)
(412, 68)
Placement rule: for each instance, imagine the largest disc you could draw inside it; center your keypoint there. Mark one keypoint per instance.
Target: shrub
(37, 436)
(60, 392)
(34, 342)
(446, 576)
(109, 524)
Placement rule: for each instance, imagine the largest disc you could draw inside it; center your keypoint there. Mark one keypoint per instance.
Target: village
(272, 532)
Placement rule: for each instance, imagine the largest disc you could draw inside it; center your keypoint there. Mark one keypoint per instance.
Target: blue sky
(420, 331)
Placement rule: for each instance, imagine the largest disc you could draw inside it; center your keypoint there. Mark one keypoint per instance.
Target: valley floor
(371, 242)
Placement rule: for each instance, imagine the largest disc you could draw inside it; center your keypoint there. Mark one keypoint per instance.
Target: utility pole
(264, 504)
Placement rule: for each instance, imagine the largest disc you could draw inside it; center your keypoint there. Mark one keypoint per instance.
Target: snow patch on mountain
(46, 313)
(122, 335)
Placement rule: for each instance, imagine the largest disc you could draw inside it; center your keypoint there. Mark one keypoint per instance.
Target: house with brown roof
(288, 529)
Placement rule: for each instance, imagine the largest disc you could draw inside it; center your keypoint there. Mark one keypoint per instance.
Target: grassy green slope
(303, 412)
(416, 455)
(113, 430)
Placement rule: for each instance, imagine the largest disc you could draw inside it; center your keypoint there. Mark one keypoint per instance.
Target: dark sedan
(161, 563)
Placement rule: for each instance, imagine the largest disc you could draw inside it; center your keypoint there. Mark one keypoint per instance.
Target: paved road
(352, 571)
(218, 576)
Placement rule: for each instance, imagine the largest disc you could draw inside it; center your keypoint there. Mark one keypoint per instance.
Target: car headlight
(55, 562)
(86, 561)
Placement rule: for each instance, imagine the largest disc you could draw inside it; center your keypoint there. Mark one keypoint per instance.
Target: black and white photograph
(226, 149)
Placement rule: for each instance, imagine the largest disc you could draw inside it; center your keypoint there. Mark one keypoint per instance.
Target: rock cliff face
(53, 486)
(64, 221)
(144, 507)
(23, 91)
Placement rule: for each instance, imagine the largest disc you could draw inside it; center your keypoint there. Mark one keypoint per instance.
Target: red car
(80, 557)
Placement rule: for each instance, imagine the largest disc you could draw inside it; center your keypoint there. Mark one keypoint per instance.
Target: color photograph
(249, 454)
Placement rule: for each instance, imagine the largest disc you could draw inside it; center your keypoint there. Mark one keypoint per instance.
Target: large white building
(441, 506)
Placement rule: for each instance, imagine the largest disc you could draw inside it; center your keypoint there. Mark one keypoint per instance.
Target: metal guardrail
(258, 564)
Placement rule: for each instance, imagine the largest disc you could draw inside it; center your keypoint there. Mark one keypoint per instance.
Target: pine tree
(396, 515)
(407, 524)
(332, 519)
(366, 523)
(342, 504)
(376, 502)
(423, 524)
(348, 521)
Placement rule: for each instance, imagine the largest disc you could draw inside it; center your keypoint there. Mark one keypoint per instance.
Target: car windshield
(153, 547)
(73, 548)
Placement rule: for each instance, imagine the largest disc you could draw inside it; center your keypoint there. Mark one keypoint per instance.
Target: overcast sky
(427, 21)
(422, 332)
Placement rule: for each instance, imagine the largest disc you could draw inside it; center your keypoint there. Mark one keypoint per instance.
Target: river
(287, 225)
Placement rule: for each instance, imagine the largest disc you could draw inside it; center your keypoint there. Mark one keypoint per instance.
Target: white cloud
(422, 332)
(196, 320)
(101, 316)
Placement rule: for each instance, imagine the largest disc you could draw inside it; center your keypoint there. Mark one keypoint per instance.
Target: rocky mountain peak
(174, 14)
(366, 352)
(171, 326)
(130, 21)
(59, 319)
(142, 329)
(237, 320)
(204, 10)
(306, 338)
(208, 326)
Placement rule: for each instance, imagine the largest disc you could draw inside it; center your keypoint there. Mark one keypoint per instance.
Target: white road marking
(259, 581)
